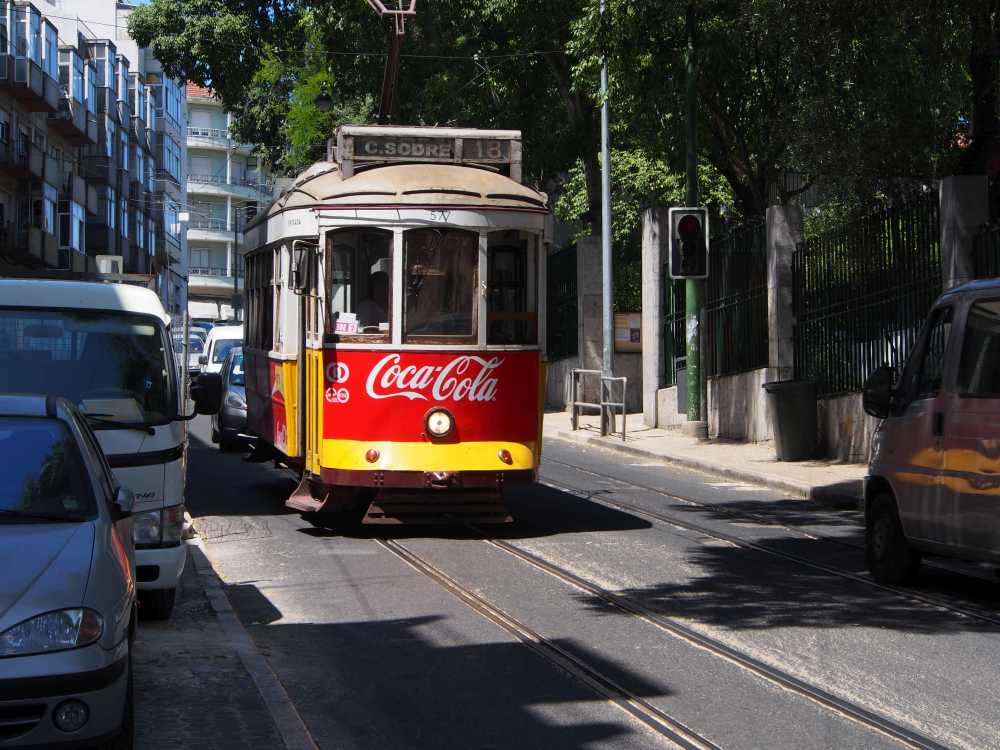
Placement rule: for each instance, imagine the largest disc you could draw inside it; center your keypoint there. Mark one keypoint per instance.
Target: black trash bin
(792, 406)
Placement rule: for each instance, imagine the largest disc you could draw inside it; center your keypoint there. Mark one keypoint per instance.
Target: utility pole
(607, 355)
(693, 287)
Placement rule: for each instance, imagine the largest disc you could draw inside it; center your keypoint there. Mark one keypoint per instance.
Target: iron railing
(265, 188)
(674, 327)
(986, 252)
(735, 307)
(861, 293)
(561, 304)
(207, 271)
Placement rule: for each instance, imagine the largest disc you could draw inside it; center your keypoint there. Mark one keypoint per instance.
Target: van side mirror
(202, 359)
(206, 392)
(124, 501)
(878, 394)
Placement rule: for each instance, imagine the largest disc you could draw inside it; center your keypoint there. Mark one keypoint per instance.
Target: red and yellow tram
(395, 318)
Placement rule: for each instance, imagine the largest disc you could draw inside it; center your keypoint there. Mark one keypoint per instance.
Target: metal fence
(986, 252)
(674, 341)
(561, 304)
(735, 336)
(861, 293)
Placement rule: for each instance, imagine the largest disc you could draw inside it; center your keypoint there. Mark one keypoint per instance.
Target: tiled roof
(194, 91)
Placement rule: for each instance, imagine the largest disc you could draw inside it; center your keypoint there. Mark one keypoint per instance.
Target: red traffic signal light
(688, 243)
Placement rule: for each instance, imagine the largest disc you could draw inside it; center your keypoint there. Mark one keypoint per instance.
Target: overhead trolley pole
(397, 12)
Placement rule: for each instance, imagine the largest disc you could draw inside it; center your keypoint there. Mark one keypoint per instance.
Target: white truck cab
(107, 347)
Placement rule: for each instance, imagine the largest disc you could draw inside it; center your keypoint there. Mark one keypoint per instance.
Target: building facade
(91, 147)
(226, 185)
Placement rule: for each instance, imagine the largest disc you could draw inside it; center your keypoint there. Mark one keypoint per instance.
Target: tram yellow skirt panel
(393, 456)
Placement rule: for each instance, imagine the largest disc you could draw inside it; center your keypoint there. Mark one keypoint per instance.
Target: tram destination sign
(357, 144)
(387, 147)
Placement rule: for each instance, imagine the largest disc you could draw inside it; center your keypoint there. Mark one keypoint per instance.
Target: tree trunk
(982, 150)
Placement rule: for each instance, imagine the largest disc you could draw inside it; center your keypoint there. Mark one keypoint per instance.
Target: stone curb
(293, 731)
(830, 497)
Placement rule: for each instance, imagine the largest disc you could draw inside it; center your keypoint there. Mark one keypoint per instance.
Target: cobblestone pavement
(191, 688)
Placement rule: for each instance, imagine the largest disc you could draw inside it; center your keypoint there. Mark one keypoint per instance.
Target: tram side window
(512, 316)
(359, 269)
(440, 276)
(259, 331)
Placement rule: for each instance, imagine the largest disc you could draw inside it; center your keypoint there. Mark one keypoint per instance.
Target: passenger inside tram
(373, 310)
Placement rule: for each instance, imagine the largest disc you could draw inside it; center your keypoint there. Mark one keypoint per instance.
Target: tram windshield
(440, 271)
(360, 271)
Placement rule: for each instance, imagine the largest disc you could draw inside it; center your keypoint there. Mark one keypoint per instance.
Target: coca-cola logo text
(463, 378)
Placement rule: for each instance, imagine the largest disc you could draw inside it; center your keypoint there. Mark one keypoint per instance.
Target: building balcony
(53, 171)
(22, 160)
(102, 170)
(248, 189)
(23, 78)
(31, 246)
(102, 239)
(74, 122)
(212, 282)
(73, 188)
(215, 138)
(107, 103)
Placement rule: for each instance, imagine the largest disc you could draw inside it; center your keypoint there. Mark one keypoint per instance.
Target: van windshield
(116, 366)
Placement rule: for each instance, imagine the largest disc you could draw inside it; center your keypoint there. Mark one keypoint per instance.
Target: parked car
(195, 348)
(220, 341)
(229, 425)
(204, 323)
(934, 474)
(68, 598)
(107, 348)
(201, 333)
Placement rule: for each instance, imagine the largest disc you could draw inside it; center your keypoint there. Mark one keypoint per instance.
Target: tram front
(421, 300)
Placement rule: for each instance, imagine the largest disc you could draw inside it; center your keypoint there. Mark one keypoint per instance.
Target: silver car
(67, 590)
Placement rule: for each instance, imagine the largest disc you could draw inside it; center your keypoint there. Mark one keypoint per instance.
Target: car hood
(45, 567)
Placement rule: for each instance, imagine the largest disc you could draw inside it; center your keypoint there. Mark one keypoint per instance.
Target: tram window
(441, 268)
(512, 316)
(359, 266)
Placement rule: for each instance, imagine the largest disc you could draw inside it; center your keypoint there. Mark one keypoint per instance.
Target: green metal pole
(693, 289)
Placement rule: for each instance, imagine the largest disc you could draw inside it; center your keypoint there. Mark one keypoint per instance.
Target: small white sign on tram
(358, 145)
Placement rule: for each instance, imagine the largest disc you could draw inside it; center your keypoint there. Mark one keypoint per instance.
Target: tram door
(311, 358)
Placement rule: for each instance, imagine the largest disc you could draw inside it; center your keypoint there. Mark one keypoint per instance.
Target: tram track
(786, 681)
(605, 686)
(625, 506)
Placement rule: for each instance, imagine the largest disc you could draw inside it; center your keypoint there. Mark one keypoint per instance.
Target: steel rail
(931, 601)
(787, 681)
(637, 707)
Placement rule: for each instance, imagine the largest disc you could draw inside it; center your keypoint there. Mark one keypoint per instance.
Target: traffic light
(688, 243)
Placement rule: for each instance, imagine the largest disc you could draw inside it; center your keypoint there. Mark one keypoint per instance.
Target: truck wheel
(157, 604)
(891, 560)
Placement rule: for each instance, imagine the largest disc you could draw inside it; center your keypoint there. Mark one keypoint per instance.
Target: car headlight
(53, 631)
(236, 401)
(158, 528)
(439, 422)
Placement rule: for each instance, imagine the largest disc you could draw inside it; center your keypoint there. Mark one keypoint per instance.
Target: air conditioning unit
(110, 264)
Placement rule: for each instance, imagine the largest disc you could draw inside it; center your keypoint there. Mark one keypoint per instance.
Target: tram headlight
(439, 422)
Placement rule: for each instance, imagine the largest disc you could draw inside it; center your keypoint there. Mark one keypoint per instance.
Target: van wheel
(125, 740)
(157, 604)
(890, 559)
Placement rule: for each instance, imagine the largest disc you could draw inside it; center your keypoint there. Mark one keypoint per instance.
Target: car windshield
(42, 472)
(237, 376)
(222, 347)
(115, 366)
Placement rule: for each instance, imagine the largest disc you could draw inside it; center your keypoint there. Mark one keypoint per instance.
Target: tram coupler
(439, 507)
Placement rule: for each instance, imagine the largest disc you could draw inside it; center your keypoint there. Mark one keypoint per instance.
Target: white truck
(107, 347)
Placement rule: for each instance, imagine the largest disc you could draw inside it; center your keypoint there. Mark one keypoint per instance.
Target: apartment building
(91, 146)
(226, 185)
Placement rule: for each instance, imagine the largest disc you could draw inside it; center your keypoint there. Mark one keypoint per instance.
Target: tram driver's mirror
(301, 263)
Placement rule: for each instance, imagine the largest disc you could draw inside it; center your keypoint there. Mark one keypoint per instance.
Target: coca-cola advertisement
(385, 395)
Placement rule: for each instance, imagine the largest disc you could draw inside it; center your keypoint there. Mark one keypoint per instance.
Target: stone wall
(737, 406)
(557, 383)
(845, 431)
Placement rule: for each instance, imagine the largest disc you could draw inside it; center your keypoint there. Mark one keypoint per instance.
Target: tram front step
(433, 508)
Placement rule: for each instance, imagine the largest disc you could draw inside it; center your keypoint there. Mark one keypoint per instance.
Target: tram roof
(323, 184)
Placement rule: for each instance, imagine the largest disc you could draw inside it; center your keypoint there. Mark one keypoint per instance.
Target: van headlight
(158, 528)
(53, 631)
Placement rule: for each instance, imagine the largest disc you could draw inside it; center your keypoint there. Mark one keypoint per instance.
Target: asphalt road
(701, 612)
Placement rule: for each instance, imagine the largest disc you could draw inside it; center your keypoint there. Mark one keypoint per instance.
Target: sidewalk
(830, 483)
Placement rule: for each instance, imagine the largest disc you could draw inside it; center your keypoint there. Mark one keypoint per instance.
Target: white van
(220, 340)
(107, 347)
